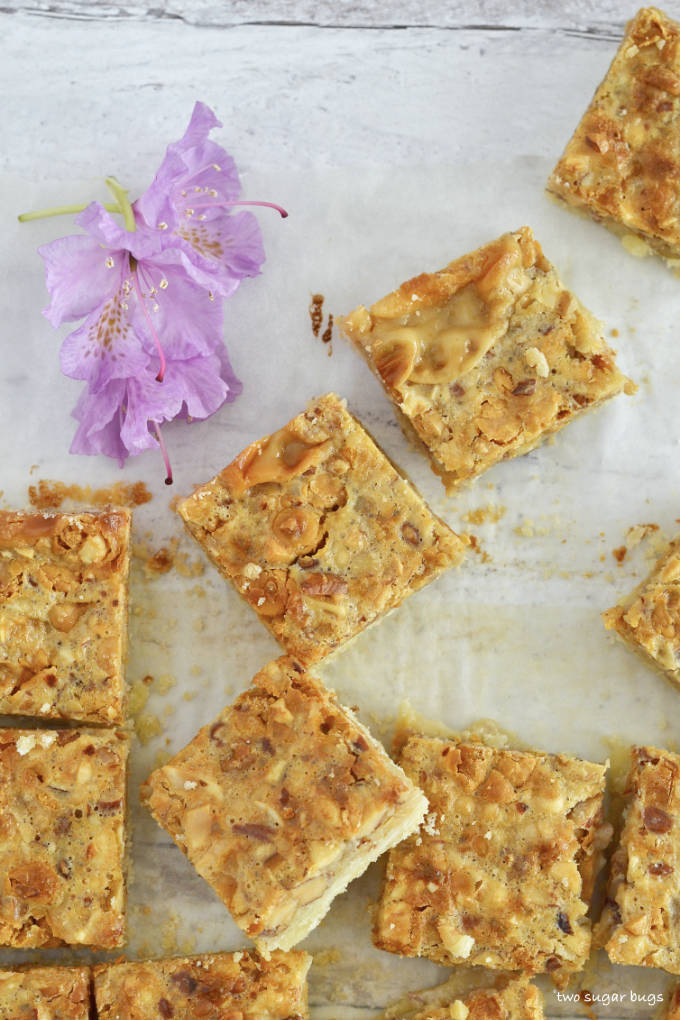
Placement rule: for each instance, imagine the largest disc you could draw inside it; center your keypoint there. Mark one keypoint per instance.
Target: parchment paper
(513, 635)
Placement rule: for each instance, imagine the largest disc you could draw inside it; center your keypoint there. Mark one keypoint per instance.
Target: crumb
(165, 683)
(48, 494)
(619, 554)
(482, 514)
(138, 697)
(147, 726)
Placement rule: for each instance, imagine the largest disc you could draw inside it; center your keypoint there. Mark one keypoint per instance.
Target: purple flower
(150, 297)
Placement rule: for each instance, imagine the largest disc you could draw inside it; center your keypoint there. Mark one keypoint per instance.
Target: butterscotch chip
(503, 869)
(639, 923)
(648, 620)
(281, 802)
(242, 986)
(318, 531)
(62, 840)
(622, 165)
(487, 357)
(45, 993)
(63, 615)
(507, 998)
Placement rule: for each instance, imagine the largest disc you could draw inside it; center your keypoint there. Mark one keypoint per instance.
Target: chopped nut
(536, 359)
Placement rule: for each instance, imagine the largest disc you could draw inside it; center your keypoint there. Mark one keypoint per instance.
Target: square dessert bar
(62, 840)
(639, 923)
(318, 531)
(648, 620)
(621, 165)
(217, 987)
(502, 870)
(281, 802)
(487, 357)
(507, 998)
(63, 615)
(45, 993)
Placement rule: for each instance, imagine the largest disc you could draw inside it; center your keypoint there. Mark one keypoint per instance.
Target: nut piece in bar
(318, 531)
(281, 802)
(45, 993)
(639, 923)
(63, 615)
(486, 358)
(223, 985)
(622, 164)
(462, 998)
(503, 868)
(62, 837)
(648, 620)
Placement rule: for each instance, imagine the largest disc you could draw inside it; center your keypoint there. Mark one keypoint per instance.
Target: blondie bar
(63, 615)
(217, 987)
(487, 357)
(502, 870)
(281, 802)
(45, 993)
(648, 620)
(622, 164)
(62, 817)
(639, 923)
(507, 998)
(318, 531)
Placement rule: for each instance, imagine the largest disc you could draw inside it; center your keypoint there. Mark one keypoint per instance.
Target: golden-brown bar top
(63, 615)
(223, 986)
(62, 838)
(487, 357)
(281, 801)
(622, 165)
(318, 531)
(502, 870)
(507, 998)
(640, 924)
(648, 620)
(45, 993)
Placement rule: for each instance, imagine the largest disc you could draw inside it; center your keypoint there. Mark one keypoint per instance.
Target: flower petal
(80, 275)
(231, 242)
(100, 225)
(193, 387)
(187, 320)
(99, 416)
(192, 167)
(105, 346)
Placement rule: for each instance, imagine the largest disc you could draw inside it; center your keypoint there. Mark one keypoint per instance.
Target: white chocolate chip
(252, 570)
(47, 739)
(25, 744)
(189, 784)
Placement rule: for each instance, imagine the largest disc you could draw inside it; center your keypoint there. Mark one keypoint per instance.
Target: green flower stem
(120, 194)
(63, 210)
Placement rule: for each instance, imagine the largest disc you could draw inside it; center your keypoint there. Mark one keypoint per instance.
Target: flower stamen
(164, 452)
(218, 205)
(154, 334)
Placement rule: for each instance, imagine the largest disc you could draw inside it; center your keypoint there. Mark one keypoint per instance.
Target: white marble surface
(395, 148)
